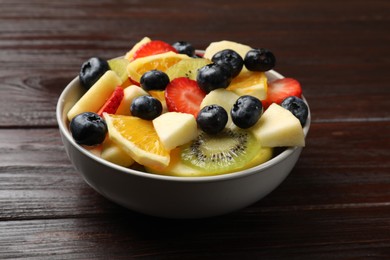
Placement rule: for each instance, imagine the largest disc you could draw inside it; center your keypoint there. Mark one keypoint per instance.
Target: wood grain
(335, 204)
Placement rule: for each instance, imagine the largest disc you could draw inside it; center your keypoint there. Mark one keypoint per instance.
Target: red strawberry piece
(112, 102)
(280, 89)
(152, 48)
(184, 95)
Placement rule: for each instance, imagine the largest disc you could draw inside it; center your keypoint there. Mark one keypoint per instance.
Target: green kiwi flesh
(227, 151)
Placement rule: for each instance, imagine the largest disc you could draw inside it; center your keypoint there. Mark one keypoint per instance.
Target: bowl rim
(222, 177)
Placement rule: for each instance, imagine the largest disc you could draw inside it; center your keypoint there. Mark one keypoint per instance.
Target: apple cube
(278, 127)
(175, 129)
(129, 94)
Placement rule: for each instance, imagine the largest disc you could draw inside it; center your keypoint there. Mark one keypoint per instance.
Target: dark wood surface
(334, 205)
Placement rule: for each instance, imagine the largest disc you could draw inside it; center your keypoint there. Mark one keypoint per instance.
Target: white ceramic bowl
(167, 196)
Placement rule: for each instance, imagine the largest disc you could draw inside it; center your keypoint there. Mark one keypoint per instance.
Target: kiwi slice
(186, 68)
(228, 151)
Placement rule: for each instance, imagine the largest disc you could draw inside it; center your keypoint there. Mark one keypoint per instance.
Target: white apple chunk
(97, 95)
(175, 129)
(221, 97)
(129, 93)
(278, 127)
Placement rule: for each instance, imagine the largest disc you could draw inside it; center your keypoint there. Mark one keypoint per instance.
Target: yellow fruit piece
(115, 154)
(175, 129)
(162, 62)
(215, 47)
(160, 95)
(119, 65)
(129, 55)
(129, 94)
(250, 83)
(176, 167)
(137, 138)
(97, 95)
(278, 127)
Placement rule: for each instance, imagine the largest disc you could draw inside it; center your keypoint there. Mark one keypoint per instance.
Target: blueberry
(183, 47)
(212, 119)
(213, 76)
(146, 107)
(259, 60)
(92, 70)
(154, 80)
(297, 107)
(88, 128)
(246, 111)
(230, 58)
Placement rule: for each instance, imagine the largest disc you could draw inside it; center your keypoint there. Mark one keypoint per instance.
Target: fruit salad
(167, 109)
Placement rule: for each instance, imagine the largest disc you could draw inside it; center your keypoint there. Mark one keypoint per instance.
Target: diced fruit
(259, 60)
(119, 65)
(176, 167)
(91, 71)
(152, 48)
(215, 47)
(175, 129)
(113, 102)
(154, 80)
(231, 59)
(184, 95)
(115, 154)
(160, 95)
(146, 107)
(184, 48)
(187, 68)
(278, 127)
(250, 83)
(212, 119)
(88, 128)
(97, 95)
(129, 94)
(213, 76)
(129, 55)
(246, 111)
(162, 62)
(297, 107)
(280, 89)
(223, 98)
(138, 138)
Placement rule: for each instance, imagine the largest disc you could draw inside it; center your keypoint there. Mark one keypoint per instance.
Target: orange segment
(250, 83)
(162, 62)
(138, 138)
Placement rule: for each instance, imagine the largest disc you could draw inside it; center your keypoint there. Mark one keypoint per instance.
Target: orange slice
(129, 55)
(162, 62)
(138, 138)
(250, 83)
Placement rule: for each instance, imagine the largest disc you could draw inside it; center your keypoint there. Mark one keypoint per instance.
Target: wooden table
(335, 204)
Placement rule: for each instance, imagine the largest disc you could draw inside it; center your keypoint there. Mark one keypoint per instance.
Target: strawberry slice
(280, 89)
(112, 102)
(152, 48)
(184, 95)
